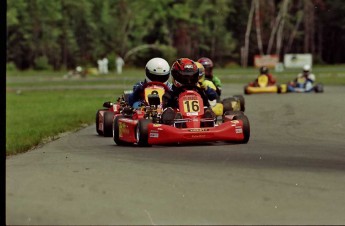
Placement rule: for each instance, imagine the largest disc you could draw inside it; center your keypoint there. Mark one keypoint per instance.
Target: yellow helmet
(201, 71)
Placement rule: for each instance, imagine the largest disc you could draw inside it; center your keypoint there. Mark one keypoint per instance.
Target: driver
(307, 79)
(185, 75)
(264, 71)
(156, 70)
(208, 65)
(208, 86)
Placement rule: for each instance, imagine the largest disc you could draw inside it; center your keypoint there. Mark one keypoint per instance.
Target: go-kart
(104, 117)
(145, 126)
(301, 85)
(261, 86)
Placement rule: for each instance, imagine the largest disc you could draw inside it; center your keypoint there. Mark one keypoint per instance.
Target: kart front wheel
(245, 90)
(142, 134)
(245, 127)
(100, 132)
(108, 124)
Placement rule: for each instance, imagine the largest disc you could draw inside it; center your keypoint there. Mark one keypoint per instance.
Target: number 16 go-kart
(192, 125)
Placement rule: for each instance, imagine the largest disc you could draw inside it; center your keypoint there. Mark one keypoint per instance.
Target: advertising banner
(269, 61)
(297, 60)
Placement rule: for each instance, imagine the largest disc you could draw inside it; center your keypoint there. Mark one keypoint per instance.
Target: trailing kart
(301, 85)
(104, 117)
(192, 125)
(261, 86)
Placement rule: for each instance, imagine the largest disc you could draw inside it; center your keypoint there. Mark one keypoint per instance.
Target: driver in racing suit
(307, 79)
(264, 71)
(185, 75)
(208, 86)
(208, 65)
(156, 70)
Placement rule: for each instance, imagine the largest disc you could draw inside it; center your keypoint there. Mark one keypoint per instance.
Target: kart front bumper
(164, 134)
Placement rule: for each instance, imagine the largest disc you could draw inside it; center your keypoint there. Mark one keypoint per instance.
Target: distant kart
(261, 86)
(145, 128)
(104, 117)
(301, 86)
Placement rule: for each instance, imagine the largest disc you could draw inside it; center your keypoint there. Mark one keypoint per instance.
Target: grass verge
(34, 116)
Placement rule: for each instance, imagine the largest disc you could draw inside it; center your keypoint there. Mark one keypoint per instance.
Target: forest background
(61, 34)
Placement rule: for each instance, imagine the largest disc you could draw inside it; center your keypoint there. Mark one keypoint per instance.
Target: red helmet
(208, 65)
(206, 62)
(184, 72)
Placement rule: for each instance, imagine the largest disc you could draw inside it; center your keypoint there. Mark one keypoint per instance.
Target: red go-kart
(145, 126)
(105, 116)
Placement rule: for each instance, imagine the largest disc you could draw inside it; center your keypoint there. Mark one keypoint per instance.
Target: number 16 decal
(191, 106)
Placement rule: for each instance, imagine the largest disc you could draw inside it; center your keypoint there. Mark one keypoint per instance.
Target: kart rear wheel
(142, 134)
(318, 88)
(108, 124)
(227, 104)
(242, 102)
(100, 132)
(117, 132)
(245, 128)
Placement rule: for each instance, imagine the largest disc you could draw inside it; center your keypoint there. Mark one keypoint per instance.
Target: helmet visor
(157, 78)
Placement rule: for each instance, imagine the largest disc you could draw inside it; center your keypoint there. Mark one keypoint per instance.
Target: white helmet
(157, 70)
(306, 68)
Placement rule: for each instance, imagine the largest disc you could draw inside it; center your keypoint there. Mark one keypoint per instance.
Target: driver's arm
(136, 95)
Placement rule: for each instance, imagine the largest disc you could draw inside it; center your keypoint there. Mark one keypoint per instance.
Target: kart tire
(116, 132)
(227, 104)
(108, 124)
(246, 127)
(142, 134)
(246, 90)
(318, 88)
(242, 102)
(99, 132)
(235, 113)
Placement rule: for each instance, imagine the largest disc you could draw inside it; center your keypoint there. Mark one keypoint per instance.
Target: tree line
(61, 34)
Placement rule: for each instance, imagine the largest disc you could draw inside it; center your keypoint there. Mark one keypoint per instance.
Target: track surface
(292, 171)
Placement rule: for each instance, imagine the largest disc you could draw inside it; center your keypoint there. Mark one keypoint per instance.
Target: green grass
(34, 115)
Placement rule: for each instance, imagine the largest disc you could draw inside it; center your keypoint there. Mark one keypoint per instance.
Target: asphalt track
(292, 171)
